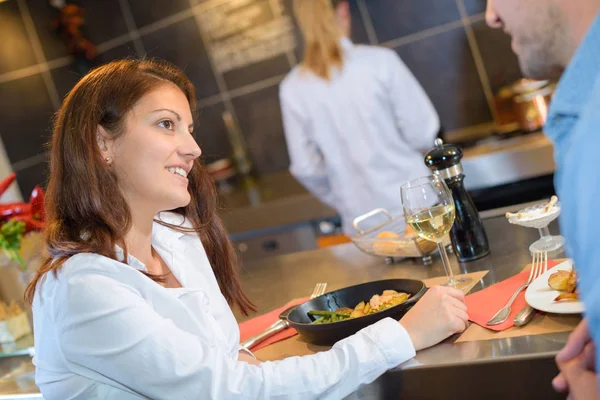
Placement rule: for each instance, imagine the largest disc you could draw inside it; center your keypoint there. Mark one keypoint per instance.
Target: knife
(524, 316)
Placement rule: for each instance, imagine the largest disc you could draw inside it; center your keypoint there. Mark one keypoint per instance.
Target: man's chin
(539, 69)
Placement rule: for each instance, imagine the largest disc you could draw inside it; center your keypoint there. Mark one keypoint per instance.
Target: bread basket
(398, 245)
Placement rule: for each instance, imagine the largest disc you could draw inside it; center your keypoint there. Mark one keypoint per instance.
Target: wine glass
(429, 210)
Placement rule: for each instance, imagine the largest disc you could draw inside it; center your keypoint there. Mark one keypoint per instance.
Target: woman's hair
(322, 34)
(85, 210)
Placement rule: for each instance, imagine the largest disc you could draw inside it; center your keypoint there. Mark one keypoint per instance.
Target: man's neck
(580, 18)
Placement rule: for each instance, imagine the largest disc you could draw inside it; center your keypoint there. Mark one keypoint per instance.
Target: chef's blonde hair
(322, 34)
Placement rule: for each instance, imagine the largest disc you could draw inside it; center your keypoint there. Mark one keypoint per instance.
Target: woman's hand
(243, 356)
(441, 312)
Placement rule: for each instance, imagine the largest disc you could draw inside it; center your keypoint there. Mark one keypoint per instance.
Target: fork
(280, 324)
(527, 313)
(538, 267)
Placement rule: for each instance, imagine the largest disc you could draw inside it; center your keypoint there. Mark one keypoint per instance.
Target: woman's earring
(108, 160)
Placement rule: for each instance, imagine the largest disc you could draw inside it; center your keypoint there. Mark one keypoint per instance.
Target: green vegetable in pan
(388, 299)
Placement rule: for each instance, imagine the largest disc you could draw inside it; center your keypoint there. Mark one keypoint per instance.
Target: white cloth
(354, 140)
(103, 330)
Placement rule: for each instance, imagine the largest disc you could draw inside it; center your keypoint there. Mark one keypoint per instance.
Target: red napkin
(482, 305)
(258, 324)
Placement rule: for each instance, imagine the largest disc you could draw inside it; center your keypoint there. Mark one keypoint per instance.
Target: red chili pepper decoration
(37, 203)
(32, 213)
(7, 182)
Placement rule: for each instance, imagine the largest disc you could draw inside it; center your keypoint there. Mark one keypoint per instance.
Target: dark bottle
(468, 236)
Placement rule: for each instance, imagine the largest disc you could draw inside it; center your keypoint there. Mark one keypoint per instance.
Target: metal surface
(272, 282)
(524, 316)
(345, 265)
(451, 172)
(506, 161)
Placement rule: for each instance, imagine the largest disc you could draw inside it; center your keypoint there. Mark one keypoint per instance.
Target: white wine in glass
(433, 224)
(429, 210)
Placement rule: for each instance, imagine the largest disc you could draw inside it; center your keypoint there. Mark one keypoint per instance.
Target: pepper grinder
(468, 236)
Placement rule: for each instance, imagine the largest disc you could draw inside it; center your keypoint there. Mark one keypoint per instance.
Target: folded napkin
(482, 305)
(258, 324)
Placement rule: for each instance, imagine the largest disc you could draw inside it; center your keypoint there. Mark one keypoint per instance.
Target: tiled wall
(456, 57)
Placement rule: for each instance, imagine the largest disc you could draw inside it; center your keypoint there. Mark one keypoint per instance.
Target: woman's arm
(107, 329)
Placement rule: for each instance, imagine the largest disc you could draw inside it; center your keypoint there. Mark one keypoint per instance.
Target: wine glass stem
(446, 261)
(544, 231)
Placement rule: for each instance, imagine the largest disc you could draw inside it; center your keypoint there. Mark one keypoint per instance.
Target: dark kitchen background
(459, 61)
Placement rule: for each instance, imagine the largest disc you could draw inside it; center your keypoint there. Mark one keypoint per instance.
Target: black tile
(259, 116)
(182, 45)
(444, 65)
(25, 124)
(358, 31)
(15, 51)
(475, 6)
(66, 77)
(147, 12)
(501, 63)
(211, 134)
(28, 178)
(257, 72)
(393, 19)
(103, 21)
(126, 50)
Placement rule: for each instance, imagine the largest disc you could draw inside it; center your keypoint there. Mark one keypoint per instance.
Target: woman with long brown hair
(357, 122)
(134, 298)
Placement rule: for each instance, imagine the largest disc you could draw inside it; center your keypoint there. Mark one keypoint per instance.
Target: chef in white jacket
(356, 121)
(134, 300)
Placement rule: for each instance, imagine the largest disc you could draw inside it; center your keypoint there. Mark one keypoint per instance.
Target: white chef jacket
(354, 140)
(104, 330)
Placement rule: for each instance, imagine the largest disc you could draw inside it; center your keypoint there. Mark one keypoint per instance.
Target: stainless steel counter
(272, 282)
(275, 281)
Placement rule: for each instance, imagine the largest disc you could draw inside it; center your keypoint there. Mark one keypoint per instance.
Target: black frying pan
(328, 334)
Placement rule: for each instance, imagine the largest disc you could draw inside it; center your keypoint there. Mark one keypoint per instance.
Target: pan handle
(267, 333)
(368, 215)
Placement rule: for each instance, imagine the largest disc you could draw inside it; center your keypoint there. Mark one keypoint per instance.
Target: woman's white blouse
(103, 330)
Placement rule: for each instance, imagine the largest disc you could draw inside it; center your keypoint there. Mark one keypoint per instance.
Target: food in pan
(565, 282)
(388, 299)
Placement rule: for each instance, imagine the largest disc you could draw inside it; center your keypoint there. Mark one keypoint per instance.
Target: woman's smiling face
(156, 152)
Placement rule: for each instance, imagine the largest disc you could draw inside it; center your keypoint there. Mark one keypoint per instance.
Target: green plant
(11, 234)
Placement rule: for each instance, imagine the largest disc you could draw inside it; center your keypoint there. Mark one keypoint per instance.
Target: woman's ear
(104, 144)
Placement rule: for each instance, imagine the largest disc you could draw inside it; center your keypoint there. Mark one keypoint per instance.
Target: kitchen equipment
(328, 334)
(522, 105)
(468, 235)
(538, 267)
(238, 144)
(402, 246)
(541, 297)
(531, 108)
(505, 118)
(224, 174)
(281, 324)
